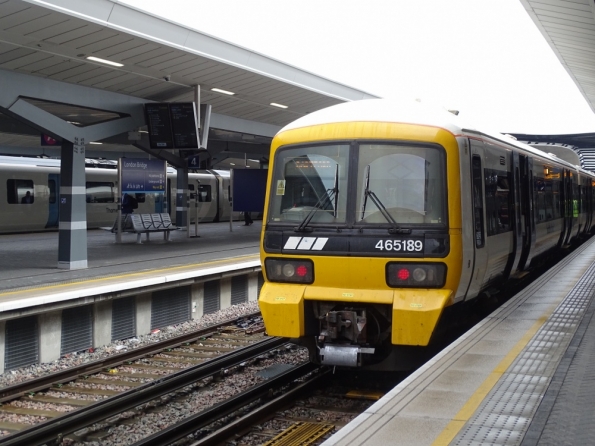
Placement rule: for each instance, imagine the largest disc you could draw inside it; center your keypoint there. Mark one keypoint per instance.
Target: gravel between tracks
(74, 359)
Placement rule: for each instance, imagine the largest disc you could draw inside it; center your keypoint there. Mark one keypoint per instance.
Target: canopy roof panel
(161, 60)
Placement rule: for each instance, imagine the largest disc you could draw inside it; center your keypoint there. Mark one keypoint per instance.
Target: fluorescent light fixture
(232, 164)
(107, 62)
(218, 90)
(274, 104)
(93, 142)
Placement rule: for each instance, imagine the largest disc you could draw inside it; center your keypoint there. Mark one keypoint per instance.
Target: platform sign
(159, 123)
(183, 121)
(143, 176)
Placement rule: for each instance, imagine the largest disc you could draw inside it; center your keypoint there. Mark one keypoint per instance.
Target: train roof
(408, 112)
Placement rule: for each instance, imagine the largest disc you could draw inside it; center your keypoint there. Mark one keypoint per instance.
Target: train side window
(497, 202)
(204, 193)
(191, 191)
(478, 202)
(140, 198)
(20, 191)
(100, 192)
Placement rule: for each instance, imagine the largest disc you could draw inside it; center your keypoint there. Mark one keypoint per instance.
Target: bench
(145, 224)
(148, 223)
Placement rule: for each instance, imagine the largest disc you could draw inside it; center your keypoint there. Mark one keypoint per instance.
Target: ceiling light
(274, 104)
(218, 90)
(232, 164)
(93, 142)
(107, 62)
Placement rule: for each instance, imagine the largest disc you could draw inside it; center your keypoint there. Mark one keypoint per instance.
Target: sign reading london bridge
(143, 176)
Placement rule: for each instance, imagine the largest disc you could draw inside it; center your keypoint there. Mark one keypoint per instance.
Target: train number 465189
(400, 245)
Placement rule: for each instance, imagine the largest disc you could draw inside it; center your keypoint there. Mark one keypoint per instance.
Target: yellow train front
(361, 246)
(381, 215)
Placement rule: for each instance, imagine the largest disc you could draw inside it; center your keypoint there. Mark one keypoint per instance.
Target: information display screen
(172, 125)
(159, 123)
(184, 125)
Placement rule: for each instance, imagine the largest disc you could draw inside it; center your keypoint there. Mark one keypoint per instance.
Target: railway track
(81, 389)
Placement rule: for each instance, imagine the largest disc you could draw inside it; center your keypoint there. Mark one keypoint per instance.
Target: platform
(522, 376)
(30, 260)
(128, 289)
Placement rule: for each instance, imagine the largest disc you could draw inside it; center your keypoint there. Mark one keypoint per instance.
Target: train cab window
(409, 182)
(100, 192)
(20, 191)
(310, 184)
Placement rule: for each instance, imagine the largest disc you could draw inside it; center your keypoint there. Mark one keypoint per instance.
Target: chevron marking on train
(306, 243)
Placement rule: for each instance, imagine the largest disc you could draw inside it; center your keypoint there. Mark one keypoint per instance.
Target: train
(382, 216)
(31, 188)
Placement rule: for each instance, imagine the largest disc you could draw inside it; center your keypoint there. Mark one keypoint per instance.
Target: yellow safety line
(469, 408)
(128, 275)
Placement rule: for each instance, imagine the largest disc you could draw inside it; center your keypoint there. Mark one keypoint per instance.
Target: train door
(527, 210)
(569, 205)
(480, 257)
(53, 198)
(515, 205)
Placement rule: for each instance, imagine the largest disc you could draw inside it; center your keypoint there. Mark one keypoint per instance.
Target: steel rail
(212, 414)
(44, 382)
(56, 429)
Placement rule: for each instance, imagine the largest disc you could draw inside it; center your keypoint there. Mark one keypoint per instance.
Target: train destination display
(172, 125)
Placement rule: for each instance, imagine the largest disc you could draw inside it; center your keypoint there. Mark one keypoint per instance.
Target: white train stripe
(292, 242)
(307, 243)
(320, 243)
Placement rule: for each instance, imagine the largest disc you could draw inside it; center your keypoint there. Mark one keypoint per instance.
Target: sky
(485, 58)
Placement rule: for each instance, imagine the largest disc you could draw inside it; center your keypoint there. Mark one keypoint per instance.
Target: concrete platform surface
(31, 260)
(510, 380)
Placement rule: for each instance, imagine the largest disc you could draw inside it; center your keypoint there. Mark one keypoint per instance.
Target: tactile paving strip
(506, 413)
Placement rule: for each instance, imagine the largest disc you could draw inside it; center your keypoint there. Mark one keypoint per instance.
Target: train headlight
(289, 270)
(415, 275)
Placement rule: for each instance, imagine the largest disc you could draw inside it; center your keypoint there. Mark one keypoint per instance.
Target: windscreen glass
(310, 183)
(409, 182)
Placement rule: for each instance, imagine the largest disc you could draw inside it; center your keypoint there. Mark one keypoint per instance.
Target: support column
(50, 336)
(143, 314)
(197, 293)
(225, 293)
(72, 245)
(102, 323)
(182, 198)
(252, 287)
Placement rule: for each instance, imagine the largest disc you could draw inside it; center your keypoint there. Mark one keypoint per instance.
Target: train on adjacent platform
(381, 215)
(30, 188)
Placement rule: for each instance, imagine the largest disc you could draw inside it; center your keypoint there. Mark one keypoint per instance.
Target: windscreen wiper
(330, 196)
(369, 193)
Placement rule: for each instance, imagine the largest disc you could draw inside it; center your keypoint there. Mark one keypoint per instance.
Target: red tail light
(416, 275)
(289, 270)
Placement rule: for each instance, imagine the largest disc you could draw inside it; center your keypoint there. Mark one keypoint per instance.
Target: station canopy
(112, 47)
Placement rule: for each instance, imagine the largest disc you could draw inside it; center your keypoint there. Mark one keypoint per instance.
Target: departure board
(172, 125)
(159, 123)
(183, 123)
